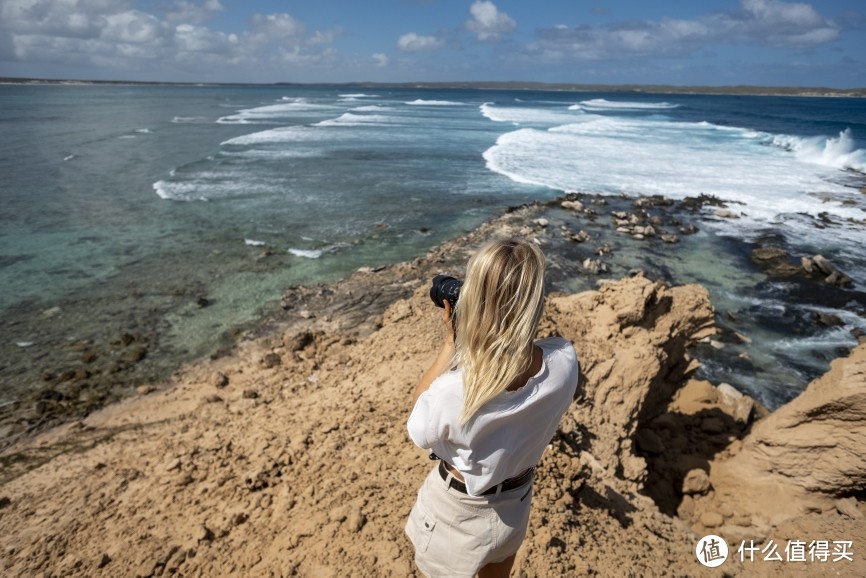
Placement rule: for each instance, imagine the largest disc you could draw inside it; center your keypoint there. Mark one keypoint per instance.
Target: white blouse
(509, 433)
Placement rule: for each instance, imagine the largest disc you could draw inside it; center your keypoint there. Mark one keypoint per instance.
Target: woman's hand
(448, 321)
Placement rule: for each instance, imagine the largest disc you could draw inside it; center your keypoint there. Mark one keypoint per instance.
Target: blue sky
(714, 42)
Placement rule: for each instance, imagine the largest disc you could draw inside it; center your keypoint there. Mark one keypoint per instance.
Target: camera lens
(445, 288)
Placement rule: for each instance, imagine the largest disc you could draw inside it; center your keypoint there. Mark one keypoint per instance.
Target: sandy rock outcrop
(812, 449)
(631, 338)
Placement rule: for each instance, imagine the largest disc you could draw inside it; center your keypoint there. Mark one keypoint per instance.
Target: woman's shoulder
(555, 343)
(558, 348)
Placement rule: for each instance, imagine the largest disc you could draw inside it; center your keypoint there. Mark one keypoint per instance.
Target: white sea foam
(268, 154)
(604, 104)
(276, 135)
(191, 120)
(254, 243)
(526, 115)
(306, 253)
(837, 152)
(422, 102)
(273, 112)
(69, 157)
(616, 155)
(143, 130)
(359, 95)
(205, 186)
(372, 108)
(351, 119)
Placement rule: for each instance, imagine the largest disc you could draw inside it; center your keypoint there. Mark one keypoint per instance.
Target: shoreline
(739, 90)
(98, 375)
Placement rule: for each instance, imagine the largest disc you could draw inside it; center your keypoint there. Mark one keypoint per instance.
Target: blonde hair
(497, 313)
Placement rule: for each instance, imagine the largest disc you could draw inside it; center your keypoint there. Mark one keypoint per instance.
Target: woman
(487, 408)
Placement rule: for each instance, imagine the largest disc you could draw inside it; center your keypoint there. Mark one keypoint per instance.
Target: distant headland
(499, 85)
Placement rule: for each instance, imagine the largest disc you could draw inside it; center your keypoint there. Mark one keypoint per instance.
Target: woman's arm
(443, 359)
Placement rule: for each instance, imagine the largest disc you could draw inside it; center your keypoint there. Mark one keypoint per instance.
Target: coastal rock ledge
(302, 466)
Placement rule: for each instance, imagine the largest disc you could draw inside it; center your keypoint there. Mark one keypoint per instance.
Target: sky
(678, 42)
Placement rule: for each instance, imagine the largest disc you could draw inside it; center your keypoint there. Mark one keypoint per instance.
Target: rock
(103, 561)
(725, 214)
(202, 302)
(213, 398)
(696, 482)
(298, 340)
(4, 502)
(712, 519)
(356, 521)
(648, 441)
(576, 206)
(738, 406)
(713, 425)
(51, 312)
(145, 389)
(838, 279)
(271, 360)
(541, 222)
(250, 394)
(594, 266)
(135, 354)
(623, 374)
(126, 339)
(580, 237)
(768, 254)
(172, 464)
(202, 534)
(220, 380)
(823, 265)
(828, 319)
(88, 357)
(848, 507)
(239, 518)
(670, 238)
(816, 441)
(688, 230)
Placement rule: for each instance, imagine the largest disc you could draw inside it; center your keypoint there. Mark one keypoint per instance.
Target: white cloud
(325, 36)
(131, 27)
(380, 59)
(275, 28)
(412, 42)
(112, 36)
(777, 23)
(758, 22)
(190, 38)
(488, 23)
(186, 11)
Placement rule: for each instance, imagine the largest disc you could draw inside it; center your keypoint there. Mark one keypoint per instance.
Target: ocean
(175, 214)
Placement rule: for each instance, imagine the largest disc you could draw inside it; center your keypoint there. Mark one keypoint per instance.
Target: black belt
(509, 484)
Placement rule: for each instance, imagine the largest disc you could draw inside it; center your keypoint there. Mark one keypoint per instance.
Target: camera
(444, 289)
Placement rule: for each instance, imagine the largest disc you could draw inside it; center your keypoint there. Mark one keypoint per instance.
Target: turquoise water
(124, 205)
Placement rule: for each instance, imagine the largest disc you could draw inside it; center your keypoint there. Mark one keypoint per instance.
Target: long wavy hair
(498, 312)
